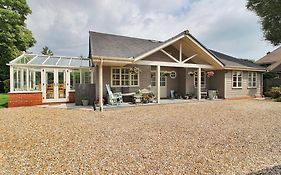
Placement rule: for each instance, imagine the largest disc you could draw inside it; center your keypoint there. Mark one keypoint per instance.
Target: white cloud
(222, 25)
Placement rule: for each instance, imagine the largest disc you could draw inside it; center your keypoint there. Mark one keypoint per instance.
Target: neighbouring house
(181, 56)
(128, 64)
(272, 61)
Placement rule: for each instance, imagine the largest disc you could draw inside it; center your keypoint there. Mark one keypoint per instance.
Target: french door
(163, 84)
(56, 83)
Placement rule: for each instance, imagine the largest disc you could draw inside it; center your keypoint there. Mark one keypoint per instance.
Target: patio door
(55, 89)
(163, 84)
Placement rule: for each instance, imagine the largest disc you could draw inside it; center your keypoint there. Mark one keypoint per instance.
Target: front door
(163, 84)
(55, 85)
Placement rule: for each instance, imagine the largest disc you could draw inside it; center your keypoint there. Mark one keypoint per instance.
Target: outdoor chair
(113, 98)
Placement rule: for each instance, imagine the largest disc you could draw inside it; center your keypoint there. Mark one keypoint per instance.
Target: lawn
(214, 137)
(3, 100)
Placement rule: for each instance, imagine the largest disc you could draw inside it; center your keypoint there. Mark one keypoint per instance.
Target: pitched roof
(230, 61)
(273, 58)
(109, 45)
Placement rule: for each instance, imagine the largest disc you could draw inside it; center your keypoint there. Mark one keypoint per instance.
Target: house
(183, 57)
(127, 64)
(272, 61)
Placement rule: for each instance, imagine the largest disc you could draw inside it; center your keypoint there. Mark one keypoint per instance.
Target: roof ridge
(119, 35)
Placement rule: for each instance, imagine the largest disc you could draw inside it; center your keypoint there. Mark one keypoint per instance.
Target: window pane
(74, 79)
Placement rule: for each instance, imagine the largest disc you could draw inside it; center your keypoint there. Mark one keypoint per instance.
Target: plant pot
(85, 102)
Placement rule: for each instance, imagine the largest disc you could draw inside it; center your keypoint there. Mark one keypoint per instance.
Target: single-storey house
(128, 64)
(183, 57)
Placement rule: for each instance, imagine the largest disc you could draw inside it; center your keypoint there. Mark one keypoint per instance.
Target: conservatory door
(55, 85)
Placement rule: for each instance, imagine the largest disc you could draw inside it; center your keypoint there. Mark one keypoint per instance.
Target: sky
(225, 26)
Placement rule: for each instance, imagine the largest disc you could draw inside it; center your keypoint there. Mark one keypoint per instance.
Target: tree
(47, 51)
(14, 35)
(269, 12)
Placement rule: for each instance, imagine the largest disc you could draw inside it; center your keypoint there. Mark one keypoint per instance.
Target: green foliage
(14, 35)
(275, 92)
(47, 51)
(269, 75)
(3, 100)
(278, 99)
(269, 12)
(7, 85)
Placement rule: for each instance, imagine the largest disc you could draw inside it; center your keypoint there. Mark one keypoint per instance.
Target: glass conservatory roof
(51, 61)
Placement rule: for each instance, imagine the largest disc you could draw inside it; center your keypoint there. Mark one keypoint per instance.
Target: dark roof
(230, 61)
(272, 59)
(109, 45)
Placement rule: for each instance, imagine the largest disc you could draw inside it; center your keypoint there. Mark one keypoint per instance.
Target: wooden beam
(159, 47)
(180, 51)
(169, 55)
(189, 58)
(167, 64)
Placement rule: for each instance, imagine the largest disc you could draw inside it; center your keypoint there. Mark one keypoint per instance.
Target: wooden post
(199, 84)
(158, 84)
(180, 51)
(100, 86)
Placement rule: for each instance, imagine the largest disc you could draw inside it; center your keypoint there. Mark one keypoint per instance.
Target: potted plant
(85, 101)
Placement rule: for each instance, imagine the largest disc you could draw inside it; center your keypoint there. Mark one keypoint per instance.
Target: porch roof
(50, 61)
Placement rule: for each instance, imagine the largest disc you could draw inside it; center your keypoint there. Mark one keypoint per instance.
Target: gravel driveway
(216, 137)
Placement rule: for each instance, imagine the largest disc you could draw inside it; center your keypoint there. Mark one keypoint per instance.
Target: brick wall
(24, 99)
(71, 97)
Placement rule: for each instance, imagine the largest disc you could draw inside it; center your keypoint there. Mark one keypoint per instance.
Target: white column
(27, 80)
(81, 78)
(11, 79)
(180, 51)
(21, 78)
(100, 87)
(158, 84)
(199, 84)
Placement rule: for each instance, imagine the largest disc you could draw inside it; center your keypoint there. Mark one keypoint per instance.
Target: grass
(3, 100)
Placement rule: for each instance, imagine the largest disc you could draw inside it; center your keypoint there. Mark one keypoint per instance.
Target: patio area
(125, 104)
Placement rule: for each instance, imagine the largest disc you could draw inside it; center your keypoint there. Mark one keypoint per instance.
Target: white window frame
(251, 82)
(203, 75)
(237, 82)
(120, 78)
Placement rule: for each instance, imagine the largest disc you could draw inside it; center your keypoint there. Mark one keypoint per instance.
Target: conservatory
(37, 79)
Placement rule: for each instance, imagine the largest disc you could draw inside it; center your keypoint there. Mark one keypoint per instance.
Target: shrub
(7, 86)
(278, 99)
(275, 92)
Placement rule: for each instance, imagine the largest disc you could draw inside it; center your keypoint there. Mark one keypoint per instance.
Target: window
(27, 79)
(252, 80)
(236, 79)
(74, 78)
(203, 79)
(162, 79)
(123, 77)
(86, 77)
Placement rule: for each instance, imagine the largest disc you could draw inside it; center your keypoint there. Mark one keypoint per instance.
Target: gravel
(215, 137)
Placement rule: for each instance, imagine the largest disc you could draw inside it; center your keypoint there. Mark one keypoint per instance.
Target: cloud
(221, 25)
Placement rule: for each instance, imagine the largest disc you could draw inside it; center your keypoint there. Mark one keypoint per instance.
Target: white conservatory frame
(28, 63)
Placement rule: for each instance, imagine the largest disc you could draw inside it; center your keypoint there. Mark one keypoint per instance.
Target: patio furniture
(137, 98)
(113, 98)
(213, 94)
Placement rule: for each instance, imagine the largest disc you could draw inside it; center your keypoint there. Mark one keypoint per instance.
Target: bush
(275, 92)
(278, 99)
(7, 86)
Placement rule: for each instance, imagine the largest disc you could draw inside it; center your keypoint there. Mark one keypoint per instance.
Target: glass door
(55, 85)
(61, 84)
(50, 84)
